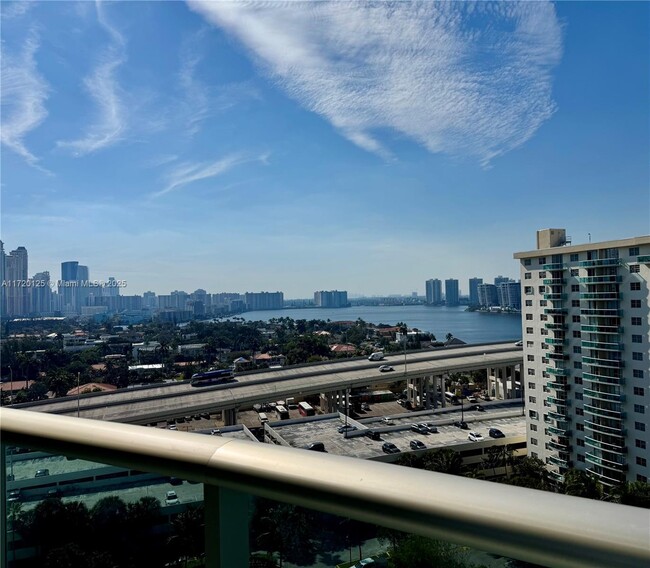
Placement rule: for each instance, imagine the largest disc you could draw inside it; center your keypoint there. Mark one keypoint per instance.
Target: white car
(171, 498)
(387, 421)
(385, 368)
(474, 437)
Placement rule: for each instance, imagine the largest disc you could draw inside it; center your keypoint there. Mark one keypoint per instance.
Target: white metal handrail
(544, 528)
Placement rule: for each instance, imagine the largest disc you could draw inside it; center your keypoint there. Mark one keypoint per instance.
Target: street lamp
(78, 393)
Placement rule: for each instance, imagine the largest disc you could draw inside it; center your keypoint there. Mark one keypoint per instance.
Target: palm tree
(188, 530)
(444, 460)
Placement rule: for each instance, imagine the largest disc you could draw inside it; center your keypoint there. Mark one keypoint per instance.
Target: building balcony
(561, 386)
(604, 412)
(601, 296)
(616, 466)
(559, 462)
(559, 430)
(602, 534)
(559, 416)
(618, 448)
(645, 259)
(599, 395)
(608, 363)
(555, 297)
(596, 376)
(600, 262)
(554, 266)
(618, 431)
(608, 329)
(557, 356)
(554, 281)
(601, 312)
(556, 311)
(558, 401)
(607, 279)
(602, 345)
(556, 326)
(560, 446)
(554, 341)
(558, 371)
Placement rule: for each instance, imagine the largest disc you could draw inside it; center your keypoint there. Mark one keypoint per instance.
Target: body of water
(470, 327)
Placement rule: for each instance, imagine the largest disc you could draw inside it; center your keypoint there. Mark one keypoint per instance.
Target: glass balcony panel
(600, 395)
(603, 345)
(596, 328)
(603, 429)
(554, 266)
(599, 376)
(554, 341)
(599, 362)
(604, 412)
(617, 448)
(556, 311)
(554, 281)
(555, 297)
(600, 262)
(609, 278)
(601, 312)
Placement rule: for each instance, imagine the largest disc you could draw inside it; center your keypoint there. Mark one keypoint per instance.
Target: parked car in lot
(495, 433)
(462, 425)
(471, 398)
(346, 428)
(431, 427)
(171, 498)
(387, 421)
(372, 435)
(365, 563)
(475, 437)
(385, 368)
(417, 445)
(316, 447)
(390, 448)
(420, 428)
(365, 406)
(42, 473)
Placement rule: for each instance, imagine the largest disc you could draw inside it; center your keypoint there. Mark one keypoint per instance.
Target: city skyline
(166, 145)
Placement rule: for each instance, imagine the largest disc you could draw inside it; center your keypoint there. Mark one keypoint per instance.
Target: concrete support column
(226, 527)
(229, 416)
(503, 371)
(443, 387)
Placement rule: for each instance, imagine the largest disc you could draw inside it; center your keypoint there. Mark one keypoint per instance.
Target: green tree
(532, 473)
(187, 539)
(636, 494)
(444, 460)
(420, 552)
(580, 484)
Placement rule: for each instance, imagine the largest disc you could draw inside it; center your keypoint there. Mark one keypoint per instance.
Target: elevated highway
(161, 402)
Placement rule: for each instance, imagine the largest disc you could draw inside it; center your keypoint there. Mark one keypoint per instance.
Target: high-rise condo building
(264, 300)
(3, 287)
(331, 299)
(451, 292)
(586, 324)
(487, 295)
(433, 289)
(17, 298)
(473, 291)
(40, 294)
(68, 286)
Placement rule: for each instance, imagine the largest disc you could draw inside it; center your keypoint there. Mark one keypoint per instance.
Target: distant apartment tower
(149, 300)
(433, 288)
(509, 295)
(331, 299)
(586, 323)
(473, 291)
(3, 287)
(40, 294)
(16, 295)
(264, 300)
(73, 287)
(487, 295)
(451, 292)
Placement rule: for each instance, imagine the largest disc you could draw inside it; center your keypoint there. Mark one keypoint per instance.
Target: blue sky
(306, 146)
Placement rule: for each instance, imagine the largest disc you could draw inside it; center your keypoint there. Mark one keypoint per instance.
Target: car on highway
(519, 344)
(387, 421)
(365, 563)
(171, 498)
(433, 429)
(471, 398)
(461, 424)
(495, 433)
(478, 407)
(42, 473)
(420, 428)
(390, 448)
(417, 445)
(385, 368)
(13, 495)
(346, 428)
(474, 437)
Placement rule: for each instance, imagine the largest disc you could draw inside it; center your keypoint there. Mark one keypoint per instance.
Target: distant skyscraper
(500, 279)
(83, 288)
(331, 299)
(3, 287)
(451, 292)
(433, 291)
(149, 300)
(68, 286)
(16, 275)
(487, 295)
(41, 294)
(473, 291)
(111, 289)
(264, 300)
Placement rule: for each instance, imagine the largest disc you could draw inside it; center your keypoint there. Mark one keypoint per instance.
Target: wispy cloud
(187, 173)
(24, 92)
(11, 10)
(110, 124)
(469, 79)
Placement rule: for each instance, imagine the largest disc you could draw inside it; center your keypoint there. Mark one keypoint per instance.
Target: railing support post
(226, 527)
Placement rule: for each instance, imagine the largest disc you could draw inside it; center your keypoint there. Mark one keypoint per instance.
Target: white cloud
(110, 124)
(187, 173)
(461, 78)
(16, 9)
(24, 92)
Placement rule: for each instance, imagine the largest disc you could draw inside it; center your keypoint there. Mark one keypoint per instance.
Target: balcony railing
(600, 262)
(608, 279)
(602, 345)
(610, 329)
(499, 520)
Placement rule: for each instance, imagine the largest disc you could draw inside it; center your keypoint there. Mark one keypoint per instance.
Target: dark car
(42, 473)
(372, 435)
(496, 433)
(461, 424)
(419, 428)
(478, 407)
(390, 448)
(417, 445)
(346, 428)
(316, 447)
